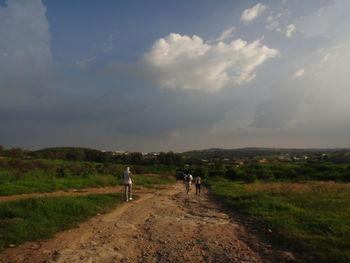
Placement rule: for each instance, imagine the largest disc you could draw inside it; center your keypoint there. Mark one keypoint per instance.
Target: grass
(30, 180)
(311, 218)
(38, 182)
(40, 218)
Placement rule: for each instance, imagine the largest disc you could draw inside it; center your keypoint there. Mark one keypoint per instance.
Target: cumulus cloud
(299, 73)
(250, 14)
(290, 30)
(183, 62)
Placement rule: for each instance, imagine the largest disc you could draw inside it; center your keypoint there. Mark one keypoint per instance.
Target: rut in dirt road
(164, 226)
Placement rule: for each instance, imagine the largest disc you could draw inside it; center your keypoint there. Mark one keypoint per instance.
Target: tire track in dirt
(162, 226)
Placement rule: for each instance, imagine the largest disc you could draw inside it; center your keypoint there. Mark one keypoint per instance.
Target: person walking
(188, 181)
(128, 184)
(198, 183)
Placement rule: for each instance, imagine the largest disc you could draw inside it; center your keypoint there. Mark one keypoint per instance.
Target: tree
(15, 153)
(200, 171)
(232, 173)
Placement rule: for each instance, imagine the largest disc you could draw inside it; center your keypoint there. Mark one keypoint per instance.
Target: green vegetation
(34, 219)
(18, 176)
(275, 171)
(38, 182)
(92, 155)
(311, 218)
(253, 152)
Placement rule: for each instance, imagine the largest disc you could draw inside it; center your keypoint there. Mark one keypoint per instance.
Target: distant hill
(256, 151)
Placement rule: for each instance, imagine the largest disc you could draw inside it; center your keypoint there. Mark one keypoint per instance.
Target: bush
(250, 178)
(232, 174)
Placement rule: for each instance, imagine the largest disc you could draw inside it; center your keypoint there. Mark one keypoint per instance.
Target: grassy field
(35, 176)
(34, 219)
(310, 218)
(37, 182)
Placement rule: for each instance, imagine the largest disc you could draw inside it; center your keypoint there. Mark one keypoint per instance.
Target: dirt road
(160, 226)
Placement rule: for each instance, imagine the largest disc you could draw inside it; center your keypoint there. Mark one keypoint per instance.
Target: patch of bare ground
(160, 226)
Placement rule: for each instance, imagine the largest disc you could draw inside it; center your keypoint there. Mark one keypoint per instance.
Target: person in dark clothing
(198, 183)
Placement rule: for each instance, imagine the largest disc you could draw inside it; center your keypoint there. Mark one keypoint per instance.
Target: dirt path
(163, 226)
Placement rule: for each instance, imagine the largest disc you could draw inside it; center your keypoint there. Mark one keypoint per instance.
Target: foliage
(34, 219)
(252, 152)
(272, 172)
(28, 176)
(312, 218)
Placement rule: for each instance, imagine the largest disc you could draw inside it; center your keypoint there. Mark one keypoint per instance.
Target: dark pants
(198, 189)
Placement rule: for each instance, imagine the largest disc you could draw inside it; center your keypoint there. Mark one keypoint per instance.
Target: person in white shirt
(188, 181)
(128, 184)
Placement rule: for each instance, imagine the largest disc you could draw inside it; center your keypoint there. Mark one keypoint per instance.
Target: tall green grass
(34, 219)
(34, 176)
(37, 182)
(311, 218)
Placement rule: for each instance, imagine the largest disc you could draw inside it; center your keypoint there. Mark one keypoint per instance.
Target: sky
(174, 75)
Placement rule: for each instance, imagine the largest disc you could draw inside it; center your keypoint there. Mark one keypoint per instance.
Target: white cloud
(25, 36)
(299, 73)
(290, 30)
(227, 34)
(183, 62)
(317, 104)
(328, 21)
(250, 14)
(273, 23)
(273, 20)
(325, 58)
(26, 61)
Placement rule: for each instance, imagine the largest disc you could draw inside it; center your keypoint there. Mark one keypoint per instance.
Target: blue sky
(174, 75)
